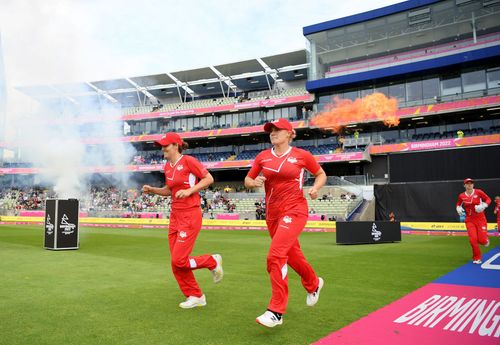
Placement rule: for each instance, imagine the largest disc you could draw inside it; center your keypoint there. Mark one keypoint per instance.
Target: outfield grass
(118, 287)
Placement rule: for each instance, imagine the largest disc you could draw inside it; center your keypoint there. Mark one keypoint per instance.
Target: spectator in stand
(460, 134)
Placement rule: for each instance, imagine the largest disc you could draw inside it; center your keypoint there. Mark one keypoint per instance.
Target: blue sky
(58, 41)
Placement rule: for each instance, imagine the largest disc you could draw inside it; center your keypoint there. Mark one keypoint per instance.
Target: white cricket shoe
(312, 298)
(487, 244)
(477, 262)
(268, 319)
(193, 302)
(218, 272)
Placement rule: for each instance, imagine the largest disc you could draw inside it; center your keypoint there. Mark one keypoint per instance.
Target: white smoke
(55, 139)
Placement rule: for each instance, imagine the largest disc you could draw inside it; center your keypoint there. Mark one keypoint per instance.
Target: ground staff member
(283, 169)
(472, 203)
(185, 176)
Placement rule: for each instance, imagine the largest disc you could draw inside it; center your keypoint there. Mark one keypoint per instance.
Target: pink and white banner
(436, 144)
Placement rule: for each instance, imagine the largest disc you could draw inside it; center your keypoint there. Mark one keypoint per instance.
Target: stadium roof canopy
(225, 79)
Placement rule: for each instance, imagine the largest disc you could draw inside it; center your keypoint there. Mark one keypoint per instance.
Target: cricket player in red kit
(497, 211)
(286, 215)
(473, 202)
(185, 176)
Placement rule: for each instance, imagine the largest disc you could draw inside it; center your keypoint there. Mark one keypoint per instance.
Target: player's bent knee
(180, 262)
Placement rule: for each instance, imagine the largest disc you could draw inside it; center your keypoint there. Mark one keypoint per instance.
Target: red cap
(279, 123)
(169, 138)
(468, 180)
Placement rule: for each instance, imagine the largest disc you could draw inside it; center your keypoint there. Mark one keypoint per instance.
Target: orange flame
(342, 112)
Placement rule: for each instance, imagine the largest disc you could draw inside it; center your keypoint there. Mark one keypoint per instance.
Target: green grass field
(118, 287)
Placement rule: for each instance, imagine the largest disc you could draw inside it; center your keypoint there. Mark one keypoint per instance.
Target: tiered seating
(137, 110)
(211, 157)
(247, 154)
(320, 150)
(335, 207)
(205, 103)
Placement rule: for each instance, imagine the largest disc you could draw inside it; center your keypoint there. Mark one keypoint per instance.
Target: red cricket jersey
(497, 208)
(184, 174)
(284, 179)
(469, 201)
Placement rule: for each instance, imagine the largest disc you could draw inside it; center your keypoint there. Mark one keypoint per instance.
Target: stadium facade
(439, 59)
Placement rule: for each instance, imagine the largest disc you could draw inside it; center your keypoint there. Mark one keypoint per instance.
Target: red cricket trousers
(478, 234)
(285, 249)
(185, 225)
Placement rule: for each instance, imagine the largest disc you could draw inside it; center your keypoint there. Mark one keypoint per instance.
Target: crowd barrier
(141, 215)
(27, 213)
(233, 216)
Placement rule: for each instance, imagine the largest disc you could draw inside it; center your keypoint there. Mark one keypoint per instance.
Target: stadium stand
(445, 75)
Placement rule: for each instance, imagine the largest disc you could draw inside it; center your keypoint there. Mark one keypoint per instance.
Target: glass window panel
(430, 88)
(451, 86)
(397, 91)
(474, 81)
(352, 95)
(383, 89)
(366, 92)
(493, 78)
(414, 90)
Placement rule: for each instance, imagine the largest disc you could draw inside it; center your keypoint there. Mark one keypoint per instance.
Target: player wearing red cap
(286, 215)
(497, 211)
(472, 203)
(185, 176)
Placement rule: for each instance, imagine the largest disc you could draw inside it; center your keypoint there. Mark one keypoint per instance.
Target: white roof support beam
(182, 85)
(226, 80)
(102, 92)
(143, 90)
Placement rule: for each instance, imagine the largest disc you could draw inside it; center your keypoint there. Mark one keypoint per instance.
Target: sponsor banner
(443, 226)
(462, 307)
(163, 222)
(340, 157)
(418, 228)
(436, 144)
(434, 233)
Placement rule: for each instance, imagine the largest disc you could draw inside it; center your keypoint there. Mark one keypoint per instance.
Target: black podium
(61, 224)
(368, 232)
